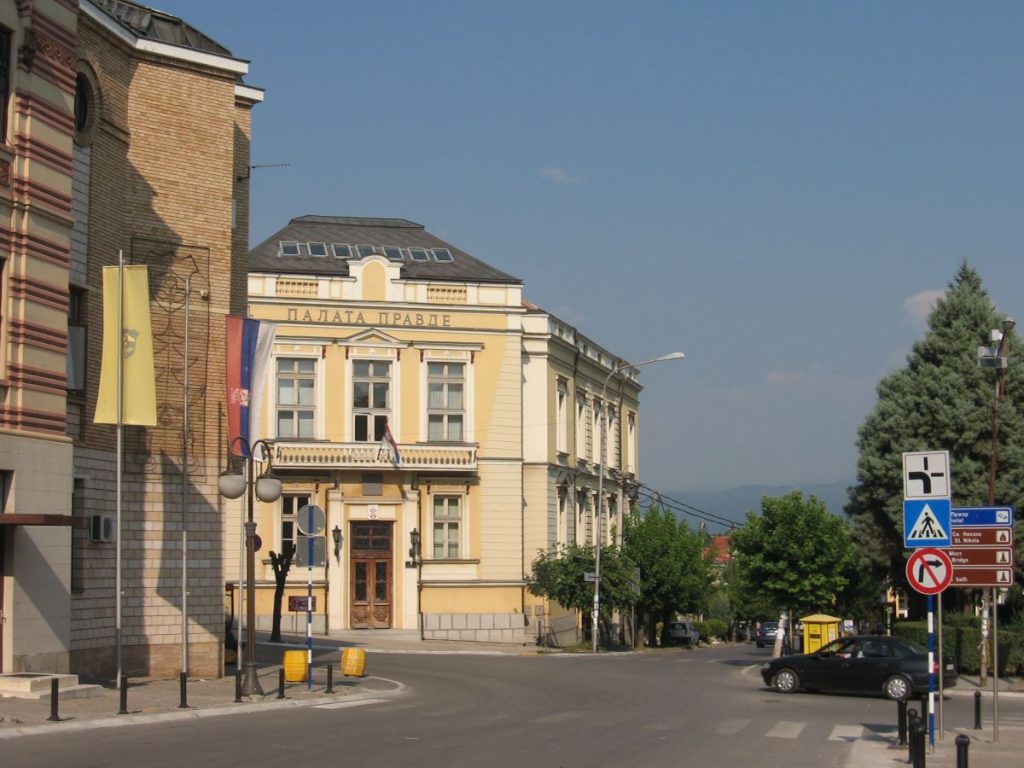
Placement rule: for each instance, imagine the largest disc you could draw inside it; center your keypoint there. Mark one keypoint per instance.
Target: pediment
(375, 337)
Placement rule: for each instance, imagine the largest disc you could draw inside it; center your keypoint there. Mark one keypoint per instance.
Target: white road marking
(846, 733)
(729, 727)
(786, 730)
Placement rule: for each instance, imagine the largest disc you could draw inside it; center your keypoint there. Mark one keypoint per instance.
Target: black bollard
(183, 688)
(918, 735)
(54, 701)
(963, 743)
(238, 685)
(924, 708)
(912, 721)
(901, 720)
(330, 679)
(124, 696)
(280, 683)
(977, 710)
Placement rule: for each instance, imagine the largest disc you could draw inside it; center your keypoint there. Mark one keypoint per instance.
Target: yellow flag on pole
(131, 333)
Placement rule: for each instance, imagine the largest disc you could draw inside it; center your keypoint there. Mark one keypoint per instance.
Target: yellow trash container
(819, 630)
(353, 662)
(295, 666)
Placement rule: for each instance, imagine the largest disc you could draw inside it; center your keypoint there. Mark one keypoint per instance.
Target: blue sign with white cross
(926, 523)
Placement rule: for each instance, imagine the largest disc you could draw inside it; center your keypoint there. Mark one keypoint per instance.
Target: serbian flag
(249, 347)
(391, 445)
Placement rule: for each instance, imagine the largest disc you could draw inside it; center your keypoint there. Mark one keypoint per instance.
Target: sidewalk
(982, 751)
(159, 700)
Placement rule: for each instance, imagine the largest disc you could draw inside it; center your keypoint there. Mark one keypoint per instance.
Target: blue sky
(779, 190)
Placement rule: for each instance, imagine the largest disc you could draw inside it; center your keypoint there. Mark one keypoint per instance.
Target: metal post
(963, 744)
(912, 723)
(901, 720)
(977, 710)
(183, 690)
(124, 695)
(995, 668)
(330, 679)
(918, 737)
(238, 684)
(280, 683)
(54, 701)
(184, 502)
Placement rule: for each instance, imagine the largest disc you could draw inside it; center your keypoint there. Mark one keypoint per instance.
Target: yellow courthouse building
(382, 326)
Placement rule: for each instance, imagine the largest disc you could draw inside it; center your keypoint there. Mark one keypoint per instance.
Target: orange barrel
(295, 666)
(353, 662)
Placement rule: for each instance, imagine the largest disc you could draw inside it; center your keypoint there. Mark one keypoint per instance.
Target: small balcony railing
(433, 457)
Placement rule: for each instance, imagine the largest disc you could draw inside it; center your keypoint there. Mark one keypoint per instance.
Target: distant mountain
(734, 503)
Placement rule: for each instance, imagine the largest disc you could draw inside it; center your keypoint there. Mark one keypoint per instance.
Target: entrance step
(37, 685)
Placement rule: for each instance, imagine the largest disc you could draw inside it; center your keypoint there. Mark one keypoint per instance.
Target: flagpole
(184, 497)
(120, 449)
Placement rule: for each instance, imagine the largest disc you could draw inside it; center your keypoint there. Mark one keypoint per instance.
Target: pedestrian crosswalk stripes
(785, 729)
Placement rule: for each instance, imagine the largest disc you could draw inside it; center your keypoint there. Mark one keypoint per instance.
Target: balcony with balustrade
(427, 457)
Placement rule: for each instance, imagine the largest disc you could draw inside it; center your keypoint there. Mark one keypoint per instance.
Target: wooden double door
(372, 574)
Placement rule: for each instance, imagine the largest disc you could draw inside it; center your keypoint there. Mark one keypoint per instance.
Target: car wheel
(897, 687)
(785, 680)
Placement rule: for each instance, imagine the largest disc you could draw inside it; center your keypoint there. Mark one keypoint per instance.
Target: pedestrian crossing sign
(926, 523)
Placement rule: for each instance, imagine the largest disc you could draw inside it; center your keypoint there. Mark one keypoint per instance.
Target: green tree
(794, 554)
(674, 564)
(941, 400)
(559, 574)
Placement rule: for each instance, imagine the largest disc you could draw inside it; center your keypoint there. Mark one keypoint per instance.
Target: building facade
(127, 139)
(492, 404)
(573, 397)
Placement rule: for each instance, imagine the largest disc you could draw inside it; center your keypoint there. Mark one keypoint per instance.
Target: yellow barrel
(353, 662)
(295, 666)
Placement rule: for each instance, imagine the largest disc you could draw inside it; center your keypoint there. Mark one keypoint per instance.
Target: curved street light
(599, 507)
(266, 488)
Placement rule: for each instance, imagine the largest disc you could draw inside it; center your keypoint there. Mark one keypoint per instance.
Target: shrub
(712, 629)
(962, 643)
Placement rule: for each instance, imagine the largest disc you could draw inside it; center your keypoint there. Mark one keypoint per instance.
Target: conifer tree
(941, 400)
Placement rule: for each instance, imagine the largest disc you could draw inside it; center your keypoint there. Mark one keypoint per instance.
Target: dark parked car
(766, 633)
(863, 664)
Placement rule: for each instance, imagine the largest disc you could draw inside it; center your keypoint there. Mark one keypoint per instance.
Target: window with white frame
(447, 519)
(631, 443)
(561, 414)
(595, 431)
(291, 506)
(371, 399)
(445, 404)
(581, 426)
(296, 397)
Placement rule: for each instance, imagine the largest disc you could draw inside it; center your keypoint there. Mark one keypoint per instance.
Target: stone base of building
(164, 661)
(475, 627)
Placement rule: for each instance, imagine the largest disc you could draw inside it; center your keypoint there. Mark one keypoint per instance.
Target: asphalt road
(703, 707)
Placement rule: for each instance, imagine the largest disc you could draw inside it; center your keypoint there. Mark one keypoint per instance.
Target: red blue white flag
(249, 347)
(396, 457)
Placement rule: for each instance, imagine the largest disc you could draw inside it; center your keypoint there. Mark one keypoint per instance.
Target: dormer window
(289, 248)
(342, 251)
(317, 249)
(419, 254)
(442, 255)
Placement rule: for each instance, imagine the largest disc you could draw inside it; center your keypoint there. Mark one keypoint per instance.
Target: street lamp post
(999, 361)
(267, 488)
(599, 506)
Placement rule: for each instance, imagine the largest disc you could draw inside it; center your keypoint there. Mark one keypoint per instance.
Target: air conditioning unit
(101, 528)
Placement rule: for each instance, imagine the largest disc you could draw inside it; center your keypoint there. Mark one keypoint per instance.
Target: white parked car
(683, 632)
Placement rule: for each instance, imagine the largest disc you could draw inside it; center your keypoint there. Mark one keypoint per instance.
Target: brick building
(127, 132)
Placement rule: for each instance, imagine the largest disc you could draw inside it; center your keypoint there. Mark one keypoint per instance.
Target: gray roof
(353, 231)
(156, 25)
